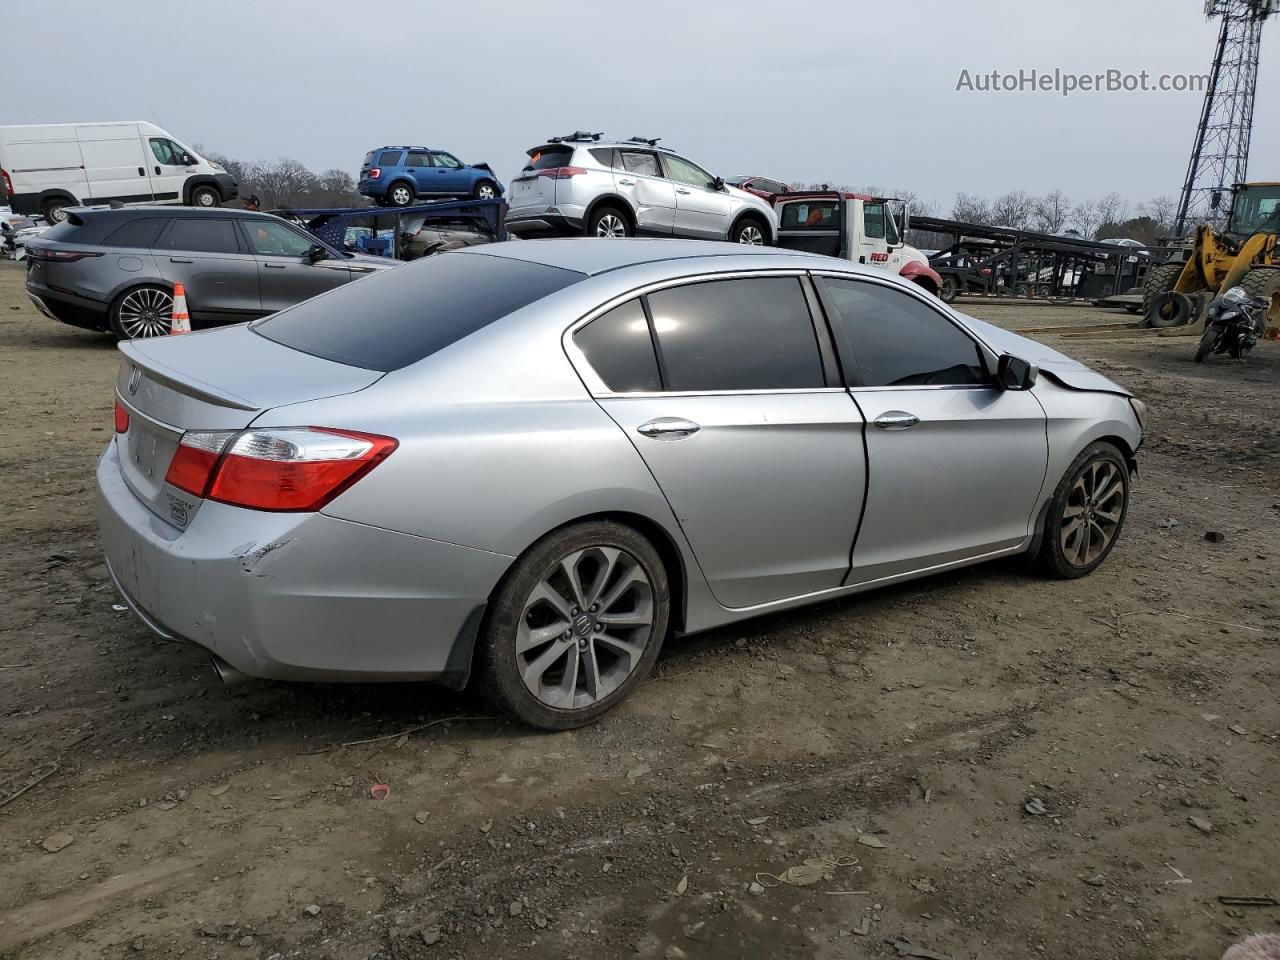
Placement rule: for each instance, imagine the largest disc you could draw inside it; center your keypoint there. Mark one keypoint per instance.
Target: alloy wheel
(751, 235)
(486, 192)
(585, 627)
(611, 225)
(1092, 513)
(146, 313)
(400, 196)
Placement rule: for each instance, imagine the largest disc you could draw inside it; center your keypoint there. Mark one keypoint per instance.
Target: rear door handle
(896, 420)
(274, 266)
(180, 260)
(668, 428)
(681, 190)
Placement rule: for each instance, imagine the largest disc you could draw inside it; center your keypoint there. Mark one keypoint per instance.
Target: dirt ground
(896, 737)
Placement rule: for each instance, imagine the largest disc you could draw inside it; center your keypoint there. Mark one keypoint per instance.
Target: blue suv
(396, 176)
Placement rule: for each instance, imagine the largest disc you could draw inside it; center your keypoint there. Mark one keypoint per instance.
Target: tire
(206, 196)
(485, 190)
(1264, 283)
(54, 211)
(608, 221)
(1063, 554)
(1172, 309)
(400, 194)
(536, 596)
(141, 313)
(1208, 340)
(1159, 279)
(950, 288)
(752, 231)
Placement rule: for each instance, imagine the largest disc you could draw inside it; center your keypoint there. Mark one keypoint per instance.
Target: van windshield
(399, 316)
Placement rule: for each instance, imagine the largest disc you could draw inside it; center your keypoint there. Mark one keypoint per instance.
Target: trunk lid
(531, 190)
(219, 380)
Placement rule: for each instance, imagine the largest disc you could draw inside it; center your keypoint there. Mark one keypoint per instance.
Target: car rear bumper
(297, 596)
(542, 224)
(68, 308)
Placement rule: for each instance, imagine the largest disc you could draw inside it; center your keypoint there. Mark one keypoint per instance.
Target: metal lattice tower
(1220, 156)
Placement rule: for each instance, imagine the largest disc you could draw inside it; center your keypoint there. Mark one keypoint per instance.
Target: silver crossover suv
(532, 463)
(582, 185)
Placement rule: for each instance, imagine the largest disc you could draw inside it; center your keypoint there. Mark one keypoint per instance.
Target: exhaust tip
(228, 674)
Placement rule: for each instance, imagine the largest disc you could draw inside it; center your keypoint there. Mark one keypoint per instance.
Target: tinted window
(268, 238)
(682, 171)
(750, 334)
(394, 318)
(201, 235)
(634, 161)
(389, 158)
(418, 159)
(137, 233)
(549, 157)
(897, 341)
(604, 156)
(770, 186)
(810, 215)
(618, 345)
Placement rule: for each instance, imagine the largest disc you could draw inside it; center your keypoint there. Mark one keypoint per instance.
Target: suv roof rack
(653, 142)
(576, 135)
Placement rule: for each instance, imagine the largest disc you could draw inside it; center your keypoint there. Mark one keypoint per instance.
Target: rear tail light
(560, 173)
(8, 184)
(375, 173)
(61, 256)
(286, 469)
(122, 417)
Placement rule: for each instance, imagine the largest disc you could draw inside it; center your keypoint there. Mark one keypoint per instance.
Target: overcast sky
(850, 91)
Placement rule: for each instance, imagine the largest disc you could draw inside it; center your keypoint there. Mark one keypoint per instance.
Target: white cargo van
(48, 167)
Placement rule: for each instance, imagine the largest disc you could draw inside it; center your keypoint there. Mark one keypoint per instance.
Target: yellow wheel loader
(1175, 293)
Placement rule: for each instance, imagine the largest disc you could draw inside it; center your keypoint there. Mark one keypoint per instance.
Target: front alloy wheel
(574, 626)
(1087, 512)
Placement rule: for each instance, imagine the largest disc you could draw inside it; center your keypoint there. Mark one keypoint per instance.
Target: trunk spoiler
(182, 383)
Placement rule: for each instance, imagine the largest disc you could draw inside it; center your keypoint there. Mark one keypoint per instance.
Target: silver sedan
(533, 463)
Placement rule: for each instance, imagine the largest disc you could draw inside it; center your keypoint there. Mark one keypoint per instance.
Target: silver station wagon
(531, 463)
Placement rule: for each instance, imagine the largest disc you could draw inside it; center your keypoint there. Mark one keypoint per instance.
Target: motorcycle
(1233, 323)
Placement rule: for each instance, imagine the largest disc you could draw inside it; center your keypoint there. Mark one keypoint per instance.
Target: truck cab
(852, 226)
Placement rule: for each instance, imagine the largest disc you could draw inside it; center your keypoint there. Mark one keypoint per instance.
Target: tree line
(288, 184)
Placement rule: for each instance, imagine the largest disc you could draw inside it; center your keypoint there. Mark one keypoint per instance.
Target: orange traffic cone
(181, 320)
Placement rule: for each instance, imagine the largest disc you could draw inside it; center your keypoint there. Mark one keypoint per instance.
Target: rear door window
(396, 317)
(137, 233)
(618, 345)
(199, 235)
(748, 334)
(418, 158)
(888, 338)
(639, 162)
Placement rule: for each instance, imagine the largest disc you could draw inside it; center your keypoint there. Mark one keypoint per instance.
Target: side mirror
(718, 183)
(188, 160)
(1014, 373)
(906, 221)
(317, 253)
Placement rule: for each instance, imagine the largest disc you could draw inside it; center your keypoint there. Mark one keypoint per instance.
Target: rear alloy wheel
(142, 313)
(486, 190)
(400, 195)
(749, 232)
(608, 222)
(205, 196)
(575, 626)
(55, 211)
(1087, 512)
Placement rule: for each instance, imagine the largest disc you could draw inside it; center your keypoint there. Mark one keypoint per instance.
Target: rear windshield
(810, 215)
(544, 157)
(397, 317)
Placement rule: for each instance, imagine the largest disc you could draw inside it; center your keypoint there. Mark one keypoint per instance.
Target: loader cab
(1255, 208)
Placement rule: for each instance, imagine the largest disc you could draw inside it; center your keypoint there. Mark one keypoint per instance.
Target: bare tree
(1112, 209)
(1162, 211)
(971, 208)
(1013, 209)
(282, 183)
(1085, 217)
(1052, 211)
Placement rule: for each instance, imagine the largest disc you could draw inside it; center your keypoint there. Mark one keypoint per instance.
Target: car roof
(125, 213)
(594, 256)
(405, 147)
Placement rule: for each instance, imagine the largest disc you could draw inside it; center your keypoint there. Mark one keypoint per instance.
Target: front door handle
(274, 266)
(668, 428)
(681, 190)
(157, 171)
(896, 420)
(180, 260)
(626, 183)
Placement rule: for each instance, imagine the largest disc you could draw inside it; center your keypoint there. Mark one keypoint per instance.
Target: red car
(761, 186)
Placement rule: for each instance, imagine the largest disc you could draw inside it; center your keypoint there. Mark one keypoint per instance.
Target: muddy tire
(1160, 279)
(1086, 514)
(574, 626)
(1264, 283)
(1208, 340)
(950, 288)
(1172, 309)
